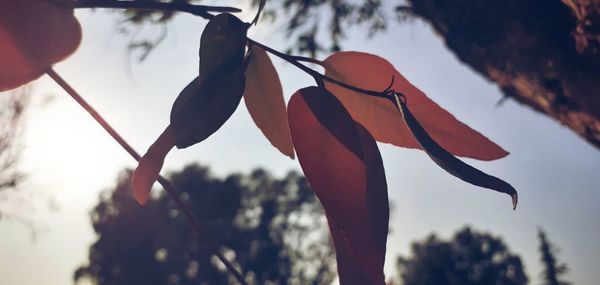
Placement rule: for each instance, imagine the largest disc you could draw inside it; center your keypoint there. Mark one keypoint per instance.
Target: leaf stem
(166, 184)
(203, 11)
(296, 61)
(198, 10)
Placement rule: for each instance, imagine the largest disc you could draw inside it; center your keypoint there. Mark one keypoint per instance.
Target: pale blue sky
(71, 159)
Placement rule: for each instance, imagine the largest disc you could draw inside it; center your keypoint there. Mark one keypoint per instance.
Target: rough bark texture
(542, 53)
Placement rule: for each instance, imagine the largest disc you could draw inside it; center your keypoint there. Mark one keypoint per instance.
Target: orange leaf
(343, 165)
(33, 36)
(383, 121)
(150, 165)
(264, 99)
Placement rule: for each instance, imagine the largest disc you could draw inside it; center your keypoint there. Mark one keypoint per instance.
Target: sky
(70, 160)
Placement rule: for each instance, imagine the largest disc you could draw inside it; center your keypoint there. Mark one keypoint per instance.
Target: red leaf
(342, 163)
(381, 118)
(33, 36)
(264, 99)
(150, 165)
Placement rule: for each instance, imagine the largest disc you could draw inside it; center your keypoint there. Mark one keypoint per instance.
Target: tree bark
(543, 53)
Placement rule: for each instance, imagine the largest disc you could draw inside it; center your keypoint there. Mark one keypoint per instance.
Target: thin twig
(198, 10)
(295, 60)
(202, 11)
(166, 184)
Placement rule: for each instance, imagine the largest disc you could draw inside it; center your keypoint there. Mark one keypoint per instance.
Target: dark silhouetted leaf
(33, 36)
(342, 163)
(202, 108)
(209, 100)
(150, 165)
(264, 99)
(222, 44)
(371, 72)
(450, 163)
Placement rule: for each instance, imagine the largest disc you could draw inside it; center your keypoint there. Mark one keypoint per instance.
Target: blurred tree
(542, 53)
(470, 258)
(274, 229)
(552, 269)
(11, 124)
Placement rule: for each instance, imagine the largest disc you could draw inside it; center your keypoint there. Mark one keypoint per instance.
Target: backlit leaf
(150, 165)
(450, 163)
(209, 100)
(264, 99)
(343, 165)
(381, 118)
(33, 36)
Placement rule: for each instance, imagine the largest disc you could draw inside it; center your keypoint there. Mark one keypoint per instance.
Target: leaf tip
(515, 200)
(141, 183)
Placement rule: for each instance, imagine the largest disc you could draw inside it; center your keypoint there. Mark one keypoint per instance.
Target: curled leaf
(263, 95)
(344, 167)
(33, 36)
(208, 101)
(150, 164)
(450, 163)
(377, 115)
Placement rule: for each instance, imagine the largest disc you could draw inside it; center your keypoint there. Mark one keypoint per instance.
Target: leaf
(264, 99)
(33, 36)
(371, 72)
(203, 107)
(344, 167)
(261, 6)
(222, 44)
(208, 101)
(452, 164)
(150, 165)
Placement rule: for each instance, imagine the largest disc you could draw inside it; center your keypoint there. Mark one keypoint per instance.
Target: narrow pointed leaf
(343, 165)
(208, 101)
(450, 163)
(371, 72)
(33, 36)
(149, 166)
(263, 96)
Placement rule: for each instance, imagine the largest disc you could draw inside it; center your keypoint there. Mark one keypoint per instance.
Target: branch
(166, 184)
(296, 61)
(198, 10)
(202, 11)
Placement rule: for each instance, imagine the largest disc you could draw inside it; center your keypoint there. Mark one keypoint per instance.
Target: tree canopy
(273, 229)
(469, 258)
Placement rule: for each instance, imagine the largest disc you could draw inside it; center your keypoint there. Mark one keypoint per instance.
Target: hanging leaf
(150, 165)
(261, 6)
(222, 44)
(209, 100)
(203, 107)
(264, 99)
(450, 163)
(371, 72)
(33, 36)
(343, 165)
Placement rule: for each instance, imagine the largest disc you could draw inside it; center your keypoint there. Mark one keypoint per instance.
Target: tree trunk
(542, 53)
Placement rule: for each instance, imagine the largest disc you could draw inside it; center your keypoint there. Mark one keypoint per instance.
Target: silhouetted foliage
(553, 270)
(274, 229)
(12, 107)
(470, 258)
(544, 54)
